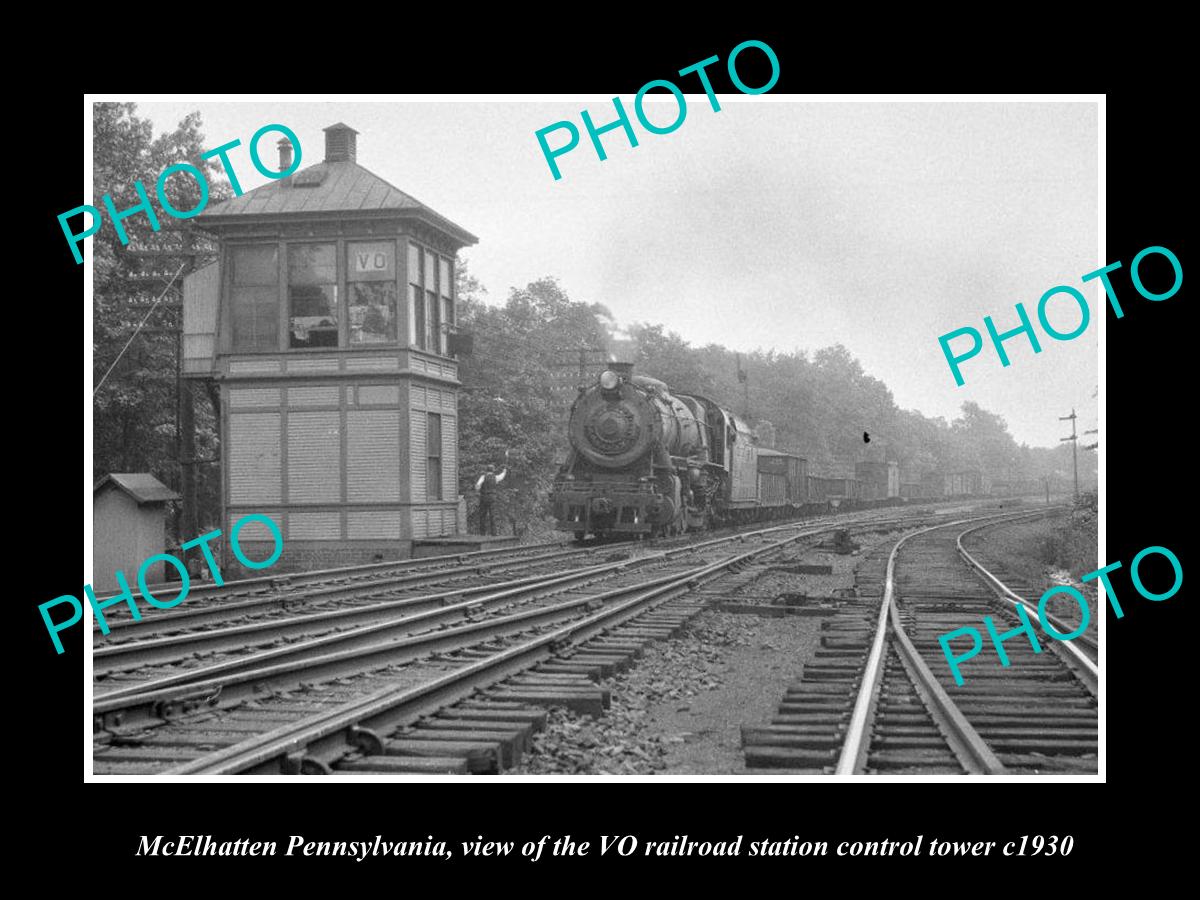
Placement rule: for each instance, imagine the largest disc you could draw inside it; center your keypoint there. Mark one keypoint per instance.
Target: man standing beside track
(488, 484)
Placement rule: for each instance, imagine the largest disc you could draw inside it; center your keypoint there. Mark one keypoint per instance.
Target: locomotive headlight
(609, 379)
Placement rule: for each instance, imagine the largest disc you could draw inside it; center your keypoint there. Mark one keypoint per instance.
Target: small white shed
(129, 525)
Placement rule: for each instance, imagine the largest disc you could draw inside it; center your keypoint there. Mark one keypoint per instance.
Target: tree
(134, 419)
(508, 415)
(666, 356)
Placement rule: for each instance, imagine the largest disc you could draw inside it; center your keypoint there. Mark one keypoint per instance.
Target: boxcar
(782, 478)
(818, 489)
(880, 479)
(845, 489)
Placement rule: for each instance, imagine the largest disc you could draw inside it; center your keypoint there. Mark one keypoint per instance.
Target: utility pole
(186, 249)
(570, 369)
(185, 431)
(1074, 439)
(745, 380)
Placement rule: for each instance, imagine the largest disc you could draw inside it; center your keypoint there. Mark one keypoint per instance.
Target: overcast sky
(770, 224)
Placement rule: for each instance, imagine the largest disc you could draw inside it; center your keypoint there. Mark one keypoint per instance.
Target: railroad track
(396, 630)
(323, 611)
(188, 645)
(879, 697)
(252, 599)
(337, 708)
(976, 544)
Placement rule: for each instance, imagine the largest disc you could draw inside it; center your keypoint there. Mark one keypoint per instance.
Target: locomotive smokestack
(624, 369)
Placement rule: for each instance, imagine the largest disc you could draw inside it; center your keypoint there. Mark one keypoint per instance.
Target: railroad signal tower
(326, 322)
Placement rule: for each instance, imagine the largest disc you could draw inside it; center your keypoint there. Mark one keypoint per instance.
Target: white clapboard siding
(373, 364)
(434, 521)
(379, 395)
(449, 457)
(314, 457)
(254, 398)
(373, 455)
(255, 366)
(254, 470)
(432, 399)
(311, 364)
(417, 420)
(420, 522)
(322, 395)
(256, 531)
(314, 526)
(363, 524)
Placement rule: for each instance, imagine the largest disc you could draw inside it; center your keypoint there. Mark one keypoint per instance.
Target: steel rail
(285, 578)
(139, 652)
(203, 682)
(362, 635)
(320, 739)
(152, 650)
(260, 671)
(166, 619)
(278, 583)
(971, 749)
(277, 674)
(1085, 667)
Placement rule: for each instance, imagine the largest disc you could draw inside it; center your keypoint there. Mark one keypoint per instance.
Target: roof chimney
(285, 154)
(340, 143)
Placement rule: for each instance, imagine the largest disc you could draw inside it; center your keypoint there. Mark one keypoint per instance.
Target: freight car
(880, 480)
(782, 479)
(967, 483)
(841, 494)
(644, 461)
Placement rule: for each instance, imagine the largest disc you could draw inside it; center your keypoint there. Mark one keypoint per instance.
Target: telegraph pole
(570, 368)
(188, 250)
(1074, 439)
(745, 380)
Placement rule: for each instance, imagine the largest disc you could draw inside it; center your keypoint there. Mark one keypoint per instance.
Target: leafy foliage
(820, 406)
(509, 415)
(134, 414)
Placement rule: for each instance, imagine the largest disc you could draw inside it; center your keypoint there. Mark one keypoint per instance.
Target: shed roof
(141, 486)
(342, 186)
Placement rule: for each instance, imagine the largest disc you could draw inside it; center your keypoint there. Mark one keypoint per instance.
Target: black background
(1150, 412)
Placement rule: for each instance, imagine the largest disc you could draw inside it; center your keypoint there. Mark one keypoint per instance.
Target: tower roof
(337, 184)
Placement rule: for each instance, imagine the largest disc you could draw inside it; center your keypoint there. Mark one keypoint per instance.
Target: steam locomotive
(648, 462)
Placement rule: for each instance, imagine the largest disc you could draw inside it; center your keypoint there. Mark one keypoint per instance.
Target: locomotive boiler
(648, 462)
